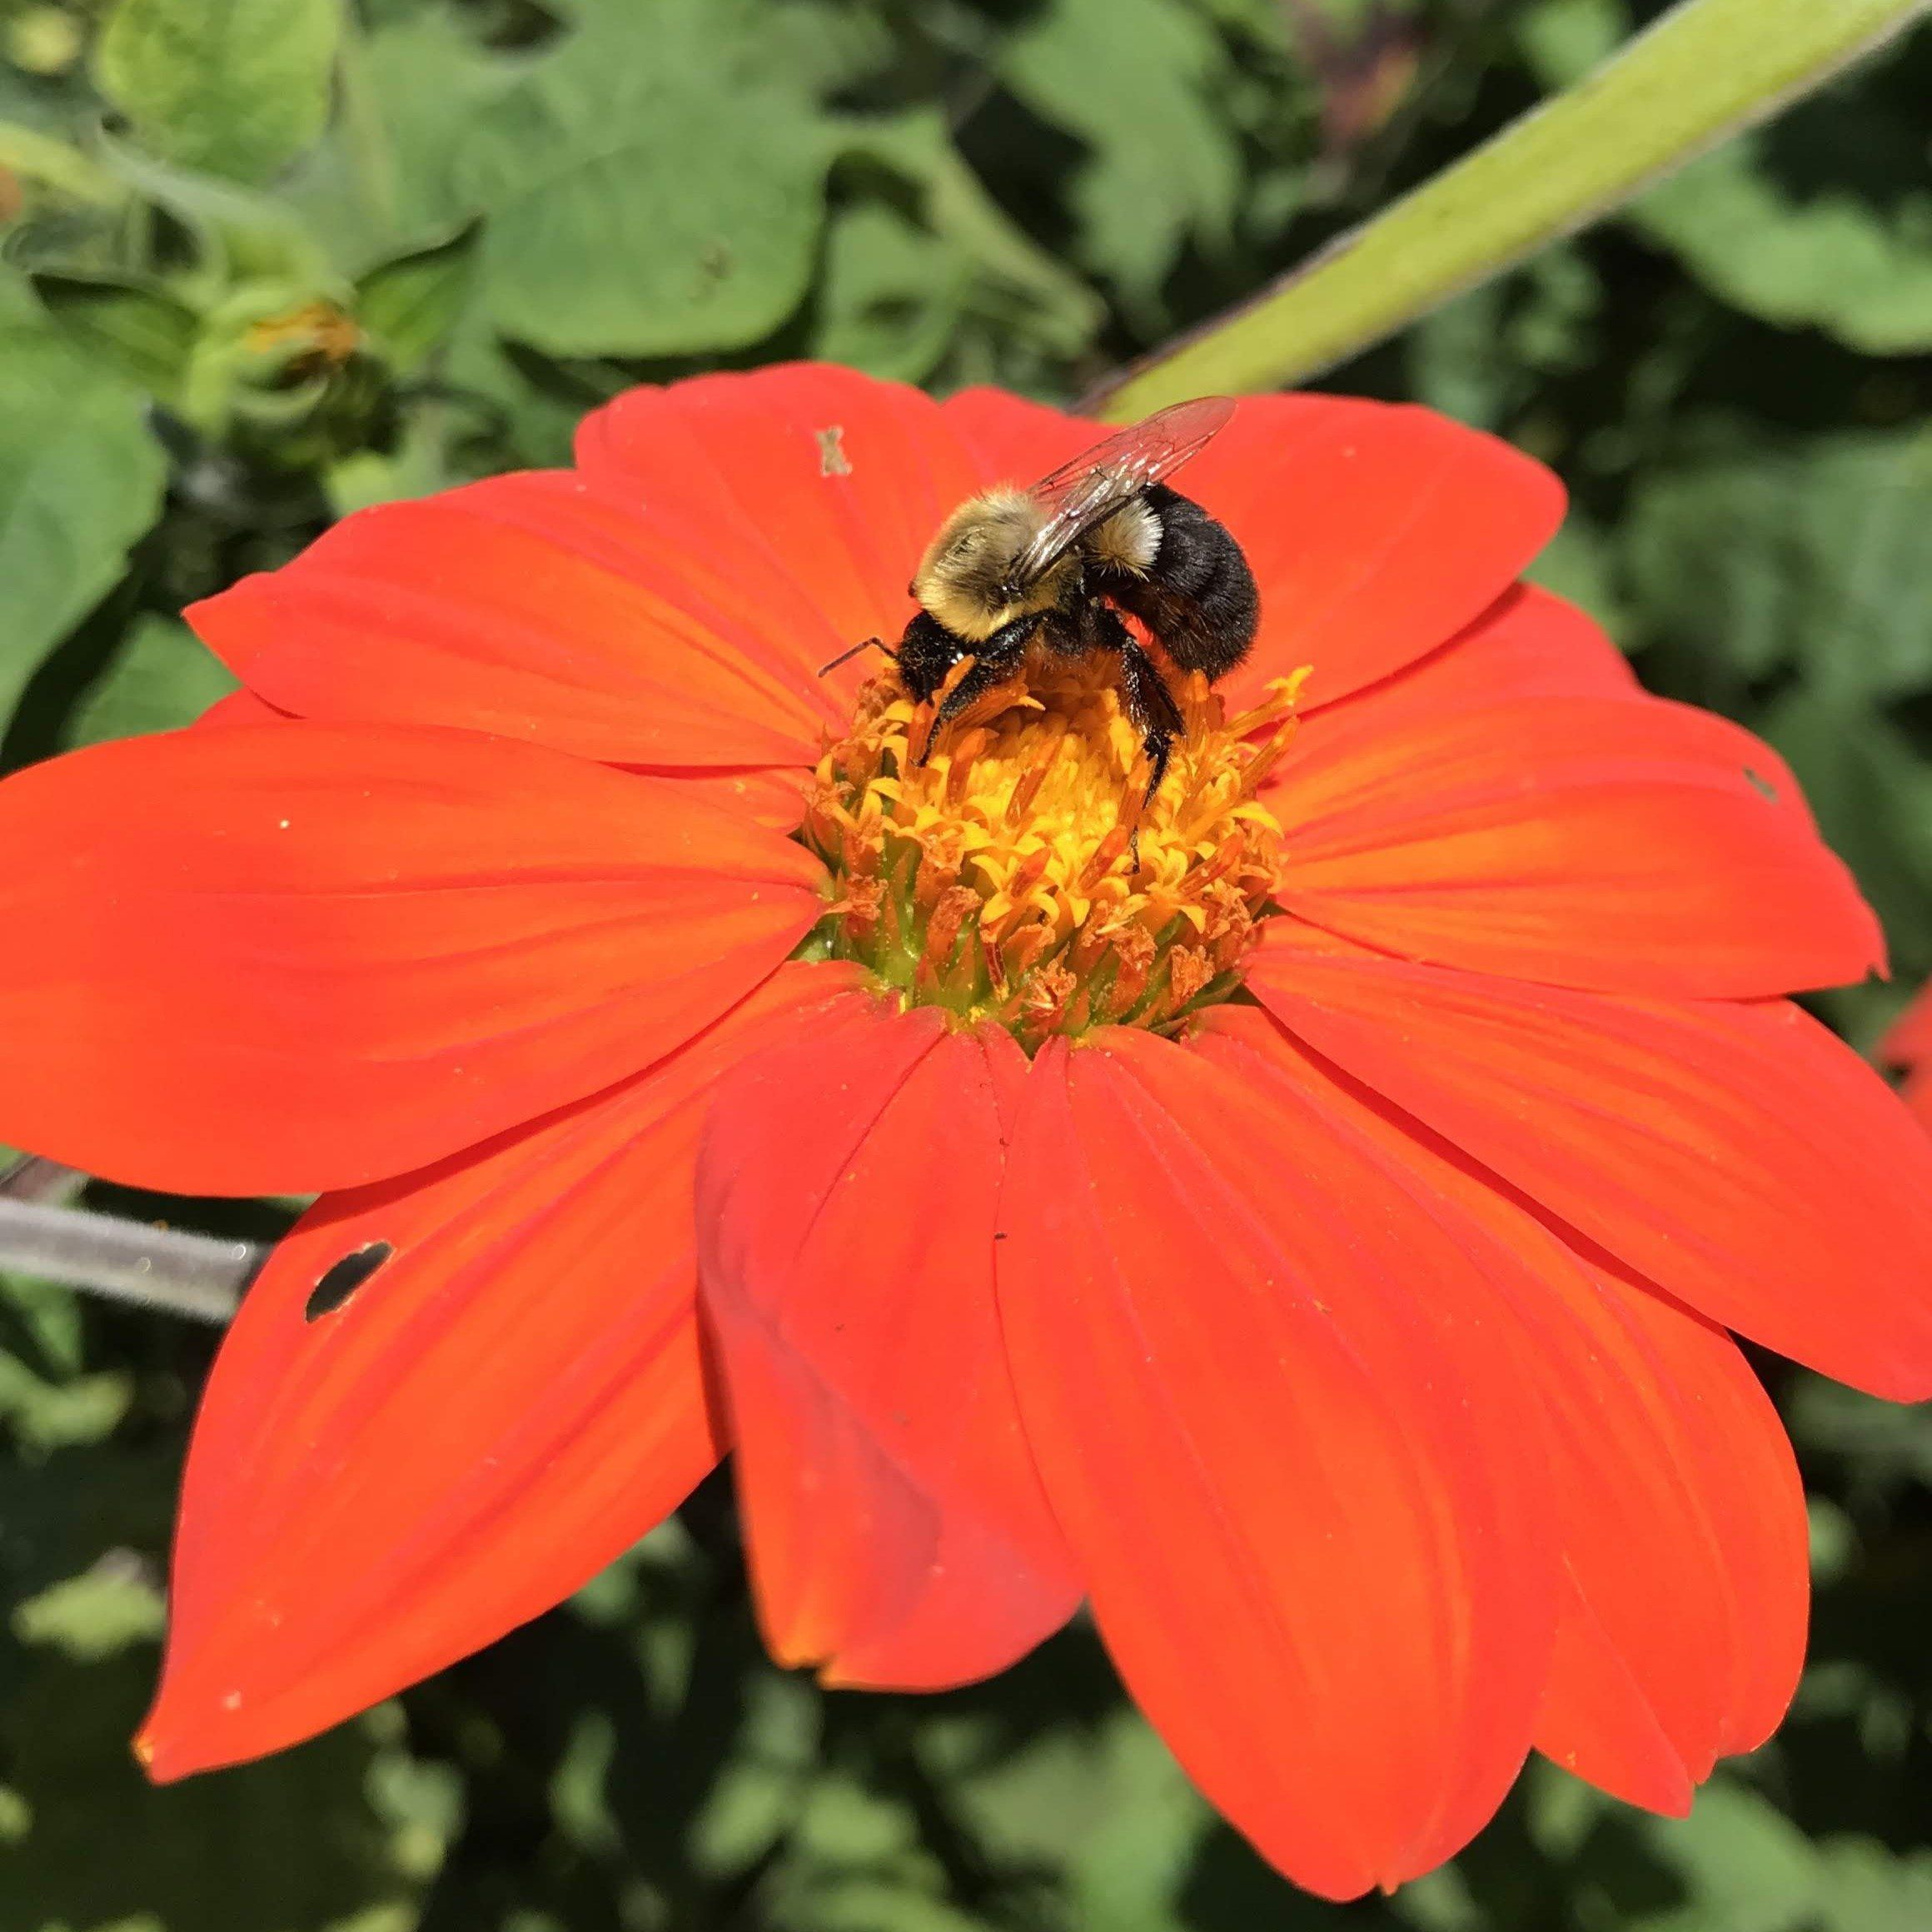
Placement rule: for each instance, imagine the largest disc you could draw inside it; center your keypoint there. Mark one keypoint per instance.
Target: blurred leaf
(1866, 1888)
(663, 170)
(161, 677)
(1564, 39)
(17, 299)
(80, 480)
(410, 304)
(237, 87)
(49, 1316)
(892, 296)
(1815, 556)
(1892, 1443)
(385, 178)
(54, 1415)
(1011, 278)
(758, 1790)
(856, 1862)
(1135, 79)
(1826, 256)
(1706, 69)
(96, 1614)
(56, 164)
(241, 233)
(1110, 1811)
(294, 1845)
(134, 327)
(1745, 1868)
(1833, 261)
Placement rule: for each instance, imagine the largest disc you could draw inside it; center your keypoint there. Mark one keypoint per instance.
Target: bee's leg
(846, 656)
(995, 662)
(1149, 704)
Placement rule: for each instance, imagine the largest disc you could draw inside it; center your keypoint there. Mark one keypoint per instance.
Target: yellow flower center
(1016, 876)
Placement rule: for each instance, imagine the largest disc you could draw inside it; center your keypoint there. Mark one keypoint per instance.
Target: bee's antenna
(868, 644)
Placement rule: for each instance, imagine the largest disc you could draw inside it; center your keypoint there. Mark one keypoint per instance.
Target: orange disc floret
(1019, 874)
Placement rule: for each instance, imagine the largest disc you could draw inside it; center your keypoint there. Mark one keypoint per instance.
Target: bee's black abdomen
(1198, 596)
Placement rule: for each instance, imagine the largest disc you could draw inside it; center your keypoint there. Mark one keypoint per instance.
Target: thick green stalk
(1705, 70)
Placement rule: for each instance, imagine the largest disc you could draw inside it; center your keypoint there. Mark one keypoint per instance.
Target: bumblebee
(1054, 567)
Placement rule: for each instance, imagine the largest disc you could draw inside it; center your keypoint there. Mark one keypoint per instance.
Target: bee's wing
(1082, 493)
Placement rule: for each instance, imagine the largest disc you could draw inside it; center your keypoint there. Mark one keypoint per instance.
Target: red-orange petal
(774, 798)
(1282, 1420)
(1528, 644)
(1618, 843)
(294, 957)
(507, 1402)
(1682, 1512)
(1711, 1479)
(1908, 1046)
(816, 486)
(1017, 441)
(240, 707)
(846, 1200)
(1737, 1155)
(536, 606)
(1375, 533)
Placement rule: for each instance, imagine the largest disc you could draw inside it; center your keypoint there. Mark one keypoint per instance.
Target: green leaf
(1109, 1808)
(411, 303)
(296, 1844)
(92, 1616)
(135, 327)
(893, 294)
(1834, 262)
(1744, 1866)
(81, 478)
(237, 87)
(1706, 69)
(52, 1415)
(1821, 253)
(48, 1318)
(653, 188)
(759, 1790)
(1013, 279)
(1870, 1889)
(429, 82)
(240, 232)
(1137, 82)
(1816, 556)
(161, 678)
(384, 176)
(56, 164)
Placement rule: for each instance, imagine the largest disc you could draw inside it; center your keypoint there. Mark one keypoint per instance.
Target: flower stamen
(1019, 874)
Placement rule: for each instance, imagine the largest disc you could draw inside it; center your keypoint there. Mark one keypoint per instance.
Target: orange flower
(1908, 1046)
(1308, 1233)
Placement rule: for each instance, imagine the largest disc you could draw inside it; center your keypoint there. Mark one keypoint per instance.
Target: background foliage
(266, 261)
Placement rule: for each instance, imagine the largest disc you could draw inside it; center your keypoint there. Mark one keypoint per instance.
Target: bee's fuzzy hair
(960, 579)
(1130, 541)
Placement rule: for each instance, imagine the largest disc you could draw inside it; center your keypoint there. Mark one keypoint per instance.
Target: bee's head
(966, 582)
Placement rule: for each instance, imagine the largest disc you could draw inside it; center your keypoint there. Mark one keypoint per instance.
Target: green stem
(1706, 70)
